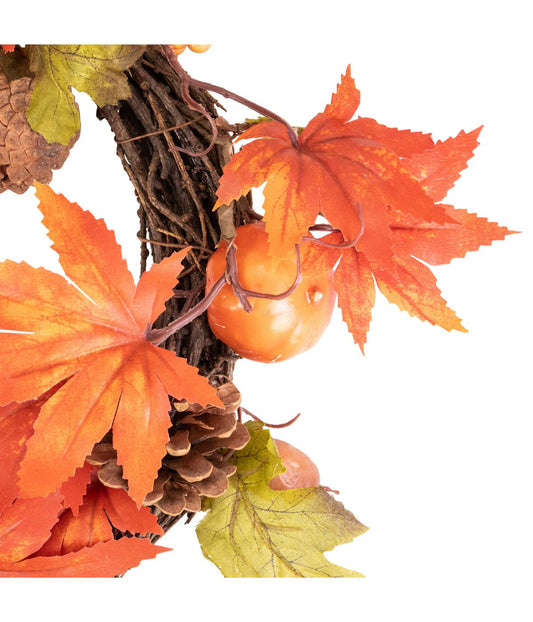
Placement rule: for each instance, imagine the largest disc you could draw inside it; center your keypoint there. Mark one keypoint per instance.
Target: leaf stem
(186, 81)
(330, 229)
(159, 335)
(173, 60)
(230, 276)
(268, 425)
(242, 293)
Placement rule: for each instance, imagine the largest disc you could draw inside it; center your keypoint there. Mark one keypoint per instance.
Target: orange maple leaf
(410, 284)
(94, 333)
(75, 488)
(25, 526)
(102, 509)
(356, 294)
(30, 530)
(438, 168)
(337, 163)
(396, 176)
(16, 427)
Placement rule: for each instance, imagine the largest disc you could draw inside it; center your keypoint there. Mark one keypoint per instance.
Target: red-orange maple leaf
(397, 177)
(102, 509)
(75, 488)
(16, 427)
(438, 168)
(94, 333)
(337, 163)
(29, 527)
(410, 284)
(104, 559)
(25, 526)
(7, 48)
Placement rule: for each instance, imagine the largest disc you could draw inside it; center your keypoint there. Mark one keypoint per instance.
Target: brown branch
(167, 129)
(159, 335)
(194, 105)
(230, 95)
(268, 425)
(176, 192)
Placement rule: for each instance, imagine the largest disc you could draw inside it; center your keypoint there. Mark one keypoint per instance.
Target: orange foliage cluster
(76, 363)
(76, 359)
(398, 178)
(67, 533)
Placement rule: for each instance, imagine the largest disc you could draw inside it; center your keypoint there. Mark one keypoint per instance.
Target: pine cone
(196, 464)
(25, 155)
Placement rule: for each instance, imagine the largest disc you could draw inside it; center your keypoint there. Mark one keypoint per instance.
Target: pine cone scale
(192, 468)
(196, 464)
(25, 155)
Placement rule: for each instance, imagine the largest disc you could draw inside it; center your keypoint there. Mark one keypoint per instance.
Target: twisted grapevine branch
(189, 81)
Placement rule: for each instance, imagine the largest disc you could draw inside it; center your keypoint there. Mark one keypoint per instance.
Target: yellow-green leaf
(97, 70)
(254, 531)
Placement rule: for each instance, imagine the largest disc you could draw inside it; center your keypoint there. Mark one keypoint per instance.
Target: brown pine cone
(196, 464)
(25, 155)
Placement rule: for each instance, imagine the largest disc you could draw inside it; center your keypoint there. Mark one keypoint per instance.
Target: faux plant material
(96, 421)
(97, 339)
(93, 69)
(336, 164)
(16, 426)
(410, 284)
(102, 509)
(398, 178)
(25, 526)
(25, 155)
(254, 531)
(105, 559)
(195, 465)
(34, 543)
(75, 488)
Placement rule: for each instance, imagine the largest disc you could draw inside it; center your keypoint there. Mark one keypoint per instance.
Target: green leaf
(97, 70)
(254, 531)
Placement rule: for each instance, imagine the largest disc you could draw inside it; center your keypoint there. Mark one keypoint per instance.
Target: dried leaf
(254, 531)
(94, 69)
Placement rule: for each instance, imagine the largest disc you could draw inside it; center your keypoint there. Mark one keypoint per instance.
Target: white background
(427, 436)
